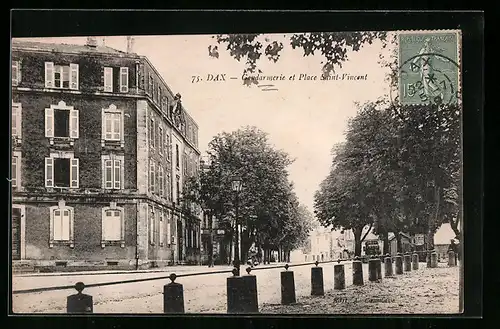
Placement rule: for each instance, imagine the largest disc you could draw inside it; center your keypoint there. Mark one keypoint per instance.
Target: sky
(303, 118)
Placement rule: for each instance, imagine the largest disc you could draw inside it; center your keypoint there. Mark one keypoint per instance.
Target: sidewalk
(422, 291)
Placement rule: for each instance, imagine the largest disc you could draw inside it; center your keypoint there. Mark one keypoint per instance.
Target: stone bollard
(372, 269)
(357, 272)
(428, 258)
(338, 277)
(388, 265)
(407, 259)
(173, 296)
(79, 303)
(235, 287)
(317, 286)
(434, 261)
(287, 287)
(379, 268)
(250, 298)
(399, 264)
(414, 260)
(451, 258)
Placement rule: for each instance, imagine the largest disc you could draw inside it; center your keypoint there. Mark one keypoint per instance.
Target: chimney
(91, 42)
(130, 45)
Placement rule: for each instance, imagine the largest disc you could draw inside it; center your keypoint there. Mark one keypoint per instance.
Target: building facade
(100, 149)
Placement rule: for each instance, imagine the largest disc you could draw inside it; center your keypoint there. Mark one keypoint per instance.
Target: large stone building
(101, 148)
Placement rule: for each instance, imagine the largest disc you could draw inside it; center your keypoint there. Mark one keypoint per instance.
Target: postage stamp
(429, 69)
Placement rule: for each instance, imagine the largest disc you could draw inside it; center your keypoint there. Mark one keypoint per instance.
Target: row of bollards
(242, 290)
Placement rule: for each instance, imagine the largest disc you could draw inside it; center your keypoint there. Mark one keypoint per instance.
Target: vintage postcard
(295, 173)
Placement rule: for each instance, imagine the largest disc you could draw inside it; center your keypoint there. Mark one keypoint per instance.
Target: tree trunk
(433, 220)
(357, 241)
(398, 242)
(387, 249)
(210, 245)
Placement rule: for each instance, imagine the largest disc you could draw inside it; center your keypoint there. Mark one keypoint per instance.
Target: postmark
(429, 70)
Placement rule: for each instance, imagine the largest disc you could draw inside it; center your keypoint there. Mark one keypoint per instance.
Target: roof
(65, 48)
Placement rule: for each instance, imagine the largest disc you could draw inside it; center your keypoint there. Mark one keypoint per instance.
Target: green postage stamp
(429, 67)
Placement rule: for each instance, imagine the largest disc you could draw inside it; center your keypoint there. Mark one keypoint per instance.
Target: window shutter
(74, 131)
(49, 172)
(124, 79)
(49, 122)
(162, 229)
(74, 173)
(117, 126)
(57, 227)
(65, 227)
(108, 174)
(14, 120)
(14, 171)
(117, 174)
(15, 73)
(49, 75)
(108, 79)
(73, 76)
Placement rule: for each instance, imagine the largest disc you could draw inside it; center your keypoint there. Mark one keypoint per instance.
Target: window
(113, 228)
(108, 79)
(178, 188)
(61, 170)
(16, 120)
(160, 180)
(184, 164)
(59, 76)
(162, 229)
(16, 169)
(152, 177)
(113, 171)
(112, 124)
(177, 155)
(151, 82)
(158, 94)
(152, 136)
(16, 73)
(61, 121)
(61, 225)
(167, 148)
(161, 140)
(151, 226)
(169, 223)
(124, 79)
(168, 189)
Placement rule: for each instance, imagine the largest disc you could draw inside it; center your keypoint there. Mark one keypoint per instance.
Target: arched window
(61, 225)
(113, 228)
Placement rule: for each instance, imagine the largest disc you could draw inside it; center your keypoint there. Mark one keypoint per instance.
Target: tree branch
(369, 229)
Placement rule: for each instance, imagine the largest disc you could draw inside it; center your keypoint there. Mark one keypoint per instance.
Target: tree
(340, 203)
(333, 46)
(267, 203)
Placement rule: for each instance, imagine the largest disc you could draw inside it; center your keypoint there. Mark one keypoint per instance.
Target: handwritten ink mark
(262, 86)
(270, 89)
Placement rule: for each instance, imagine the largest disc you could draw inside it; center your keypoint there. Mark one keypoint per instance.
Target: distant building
(101, 147)
(442, 240)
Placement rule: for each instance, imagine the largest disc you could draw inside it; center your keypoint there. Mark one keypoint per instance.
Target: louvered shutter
(49, 75)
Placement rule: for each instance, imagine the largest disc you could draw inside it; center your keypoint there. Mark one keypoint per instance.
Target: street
(207, 293)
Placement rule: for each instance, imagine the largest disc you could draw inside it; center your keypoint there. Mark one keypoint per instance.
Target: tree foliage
(398, 170)
(333, 47)
(268, 209)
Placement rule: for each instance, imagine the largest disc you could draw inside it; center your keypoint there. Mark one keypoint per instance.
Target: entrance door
(16, 233)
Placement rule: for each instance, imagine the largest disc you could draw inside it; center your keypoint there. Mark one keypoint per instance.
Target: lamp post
(236, 187)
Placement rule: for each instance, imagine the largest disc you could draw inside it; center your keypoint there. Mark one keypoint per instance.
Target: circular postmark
(427, 78)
